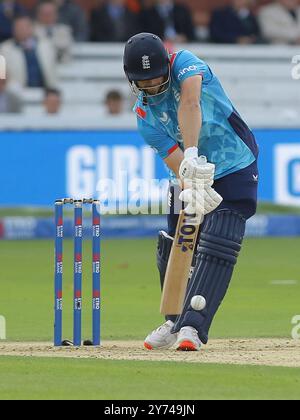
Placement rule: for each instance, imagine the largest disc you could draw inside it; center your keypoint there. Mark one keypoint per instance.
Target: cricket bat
(179, 266)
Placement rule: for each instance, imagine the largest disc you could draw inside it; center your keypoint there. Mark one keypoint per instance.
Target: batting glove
(197, 168)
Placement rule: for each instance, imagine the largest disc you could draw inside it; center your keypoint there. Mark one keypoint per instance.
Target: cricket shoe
(162, 338)
(188, 340)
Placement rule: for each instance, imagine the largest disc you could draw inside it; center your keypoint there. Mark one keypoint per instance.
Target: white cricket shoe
(162, 338)
(188, 340)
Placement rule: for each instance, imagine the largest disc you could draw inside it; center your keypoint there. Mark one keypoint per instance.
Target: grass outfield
(255, 306)
(105, 380)
(262, 301)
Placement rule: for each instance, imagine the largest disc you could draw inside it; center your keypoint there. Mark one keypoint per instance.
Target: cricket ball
(198, 303)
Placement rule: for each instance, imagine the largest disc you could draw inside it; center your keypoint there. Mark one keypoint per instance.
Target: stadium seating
(257, 78)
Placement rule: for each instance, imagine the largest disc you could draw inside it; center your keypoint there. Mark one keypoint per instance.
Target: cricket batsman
(184, 114)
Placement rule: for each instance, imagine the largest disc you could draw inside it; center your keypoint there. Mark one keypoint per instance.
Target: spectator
(10, 101)
(202, 25)
(280, 22)
(112, 21)
(169, 20)
(47, 26)
(52, 101)
(30, 62)
(114, 103)
(134, 5)
(72, 15)
(235, 24)
(9, 10)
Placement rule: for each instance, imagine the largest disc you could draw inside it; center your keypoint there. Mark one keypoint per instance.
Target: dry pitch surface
(259, 352)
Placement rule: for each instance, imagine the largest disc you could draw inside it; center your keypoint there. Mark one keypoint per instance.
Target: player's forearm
(190, 122)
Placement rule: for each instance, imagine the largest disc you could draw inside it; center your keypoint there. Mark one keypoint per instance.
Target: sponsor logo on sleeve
(186, 70)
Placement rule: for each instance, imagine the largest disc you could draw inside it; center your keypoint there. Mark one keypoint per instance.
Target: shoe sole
(151, 348)
(187, 346)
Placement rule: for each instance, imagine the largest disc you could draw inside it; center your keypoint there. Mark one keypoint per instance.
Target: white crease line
(284, 282)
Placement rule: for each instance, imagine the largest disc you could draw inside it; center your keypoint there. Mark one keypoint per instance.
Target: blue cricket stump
(96, 273)
(59, 234)
(78, 238)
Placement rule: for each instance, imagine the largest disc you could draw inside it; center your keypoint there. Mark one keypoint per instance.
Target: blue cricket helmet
(146, 58)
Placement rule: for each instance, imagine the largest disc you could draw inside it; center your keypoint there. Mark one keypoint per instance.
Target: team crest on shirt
(146, 62)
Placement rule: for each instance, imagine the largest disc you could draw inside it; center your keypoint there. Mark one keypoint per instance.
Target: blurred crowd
(35, 41)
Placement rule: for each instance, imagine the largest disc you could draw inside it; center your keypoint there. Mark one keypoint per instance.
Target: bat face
(179, 265)
(186, 238)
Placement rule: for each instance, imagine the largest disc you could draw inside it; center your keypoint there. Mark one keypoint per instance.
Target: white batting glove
(212, 199)
(201, 200)
(196, 168)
